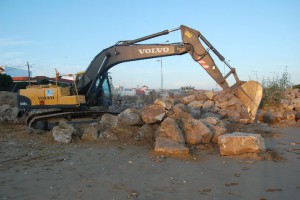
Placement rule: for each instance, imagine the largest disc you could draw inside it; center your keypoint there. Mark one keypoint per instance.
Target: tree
(187, 88)
(6, 82)
(44, 81)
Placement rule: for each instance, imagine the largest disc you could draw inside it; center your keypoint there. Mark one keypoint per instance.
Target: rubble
(174, 123)
(240, 143)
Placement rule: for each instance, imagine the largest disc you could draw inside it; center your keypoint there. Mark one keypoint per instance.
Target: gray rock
(8, 113)
(268, 117)
(130, 117)
(240, 143)
(9, 98)
(195, 113)
(108, 120)
(210, 114)
(63, 132)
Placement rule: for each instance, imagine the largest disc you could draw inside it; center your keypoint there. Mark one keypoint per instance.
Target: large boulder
(147, 131)
(170, 130)
(207, 105)
(239, 143)
(210, 95)
(90, 134)
(188, 99)
(169, 147)
(63, 132)
(201, 97)
(123, 131)
(181, 111)
(268, 117)
(233, 116)
(232, 102)
(8, 113)
(108, 120)
(153, 113)
(296, 102)
(196, 104)
(108, 135)
(217, 131)
(290, 115)
(211, 120)
(165, 102)
(196, 132)
(130, 117)
(8, 98)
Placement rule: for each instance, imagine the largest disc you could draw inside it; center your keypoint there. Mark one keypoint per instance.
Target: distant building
(14, 71)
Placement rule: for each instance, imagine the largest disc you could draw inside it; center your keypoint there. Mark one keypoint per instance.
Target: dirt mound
(8, 98)
(8, 106)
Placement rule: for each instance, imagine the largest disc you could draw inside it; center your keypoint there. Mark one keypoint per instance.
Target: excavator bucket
(250, 93)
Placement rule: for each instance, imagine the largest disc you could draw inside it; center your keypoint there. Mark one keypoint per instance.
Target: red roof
(25, 78)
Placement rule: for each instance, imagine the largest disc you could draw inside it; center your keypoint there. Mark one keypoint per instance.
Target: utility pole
(28, 72)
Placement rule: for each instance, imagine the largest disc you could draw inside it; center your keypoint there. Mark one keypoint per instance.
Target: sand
(34, 166)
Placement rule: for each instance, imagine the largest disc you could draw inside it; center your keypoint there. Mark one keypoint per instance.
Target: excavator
(92, 88)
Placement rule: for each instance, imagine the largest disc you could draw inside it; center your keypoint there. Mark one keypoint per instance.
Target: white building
(14, 71)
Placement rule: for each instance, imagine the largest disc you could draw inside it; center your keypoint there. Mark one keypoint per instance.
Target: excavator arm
(249, 93)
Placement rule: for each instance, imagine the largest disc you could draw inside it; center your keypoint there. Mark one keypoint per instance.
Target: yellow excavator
(92, 88)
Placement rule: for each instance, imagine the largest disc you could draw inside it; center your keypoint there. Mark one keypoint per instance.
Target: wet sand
(36, 167)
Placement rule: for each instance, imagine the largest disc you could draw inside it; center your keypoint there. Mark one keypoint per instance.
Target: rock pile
(8, 107)
(286, 112)
(174, 124)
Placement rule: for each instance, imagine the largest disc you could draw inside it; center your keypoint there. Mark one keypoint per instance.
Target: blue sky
(260, 38)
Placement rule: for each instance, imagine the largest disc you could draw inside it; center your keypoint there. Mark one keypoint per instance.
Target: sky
(260, 38)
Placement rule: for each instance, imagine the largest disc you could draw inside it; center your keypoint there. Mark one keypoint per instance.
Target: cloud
(11, 42)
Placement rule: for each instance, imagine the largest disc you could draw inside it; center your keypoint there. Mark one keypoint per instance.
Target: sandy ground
(34, 166)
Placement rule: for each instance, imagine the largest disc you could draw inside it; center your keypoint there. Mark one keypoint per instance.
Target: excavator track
(33, 119)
